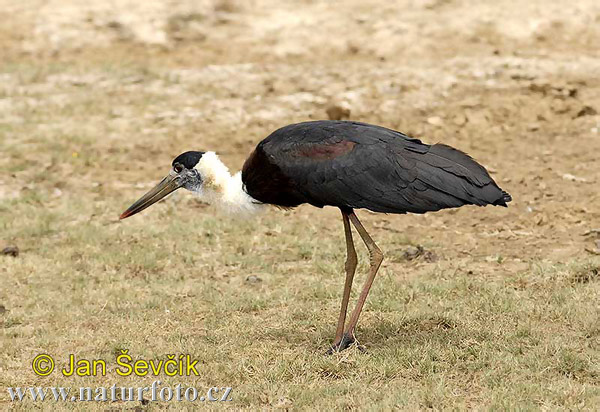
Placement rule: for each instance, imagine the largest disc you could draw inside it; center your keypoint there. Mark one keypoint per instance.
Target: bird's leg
(375, 258)
(350, 266)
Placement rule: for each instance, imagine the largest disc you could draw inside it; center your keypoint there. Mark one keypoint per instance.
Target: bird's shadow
(418, 331)
(381, 334)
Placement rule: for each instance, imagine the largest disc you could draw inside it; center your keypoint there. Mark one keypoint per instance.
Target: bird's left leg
(350, 266)
(375, 259)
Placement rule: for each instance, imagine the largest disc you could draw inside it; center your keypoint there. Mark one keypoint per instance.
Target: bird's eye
(178, 168)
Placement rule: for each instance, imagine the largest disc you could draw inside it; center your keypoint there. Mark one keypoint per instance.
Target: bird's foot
(346, 341)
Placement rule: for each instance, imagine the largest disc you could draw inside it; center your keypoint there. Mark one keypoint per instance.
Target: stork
(348, 165)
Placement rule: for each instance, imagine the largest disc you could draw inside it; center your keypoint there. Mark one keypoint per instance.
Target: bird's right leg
(375, 257)
(351, 261)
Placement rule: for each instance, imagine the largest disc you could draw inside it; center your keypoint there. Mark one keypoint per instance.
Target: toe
(346, 341)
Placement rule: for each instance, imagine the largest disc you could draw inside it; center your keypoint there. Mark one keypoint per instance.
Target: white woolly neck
(223, 190)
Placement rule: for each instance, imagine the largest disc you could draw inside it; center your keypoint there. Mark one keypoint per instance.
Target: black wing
(357, 165)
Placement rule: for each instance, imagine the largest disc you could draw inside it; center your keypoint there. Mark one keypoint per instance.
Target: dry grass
(506, 318)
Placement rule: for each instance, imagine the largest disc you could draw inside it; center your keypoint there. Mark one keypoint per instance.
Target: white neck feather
(223, 190)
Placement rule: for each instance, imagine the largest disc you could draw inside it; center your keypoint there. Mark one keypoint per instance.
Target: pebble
(11, 251)
(338, 112)
(414, 252)
(253, 279)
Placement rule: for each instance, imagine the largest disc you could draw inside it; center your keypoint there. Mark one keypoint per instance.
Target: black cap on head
(188, 159)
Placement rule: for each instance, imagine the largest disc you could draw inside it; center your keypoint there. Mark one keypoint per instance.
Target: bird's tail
(506, 198)
(461, 177)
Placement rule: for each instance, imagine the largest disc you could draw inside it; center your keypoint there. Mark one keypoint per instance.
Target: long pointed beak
(167, 185)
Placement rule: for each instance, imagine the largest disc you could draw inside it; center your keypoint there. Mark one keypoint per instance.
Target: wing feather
(357, 165)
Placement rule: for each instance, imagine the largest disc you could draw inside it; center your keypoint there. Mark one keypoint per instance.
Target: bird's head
(183, 174)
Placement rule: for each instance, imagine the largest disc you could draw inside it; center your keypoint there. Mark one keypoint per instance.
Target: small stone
(435, 121)
(253, 279)
(595, 250)
(540, 220)
(11, 251)
(568, 176)
(586, 111)
(338, 112)
(2, 309)
(412, 252)
(430, 257)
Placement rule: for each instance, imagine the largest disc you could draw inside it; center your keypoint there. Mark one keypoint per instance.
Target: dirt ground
(97, 98)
